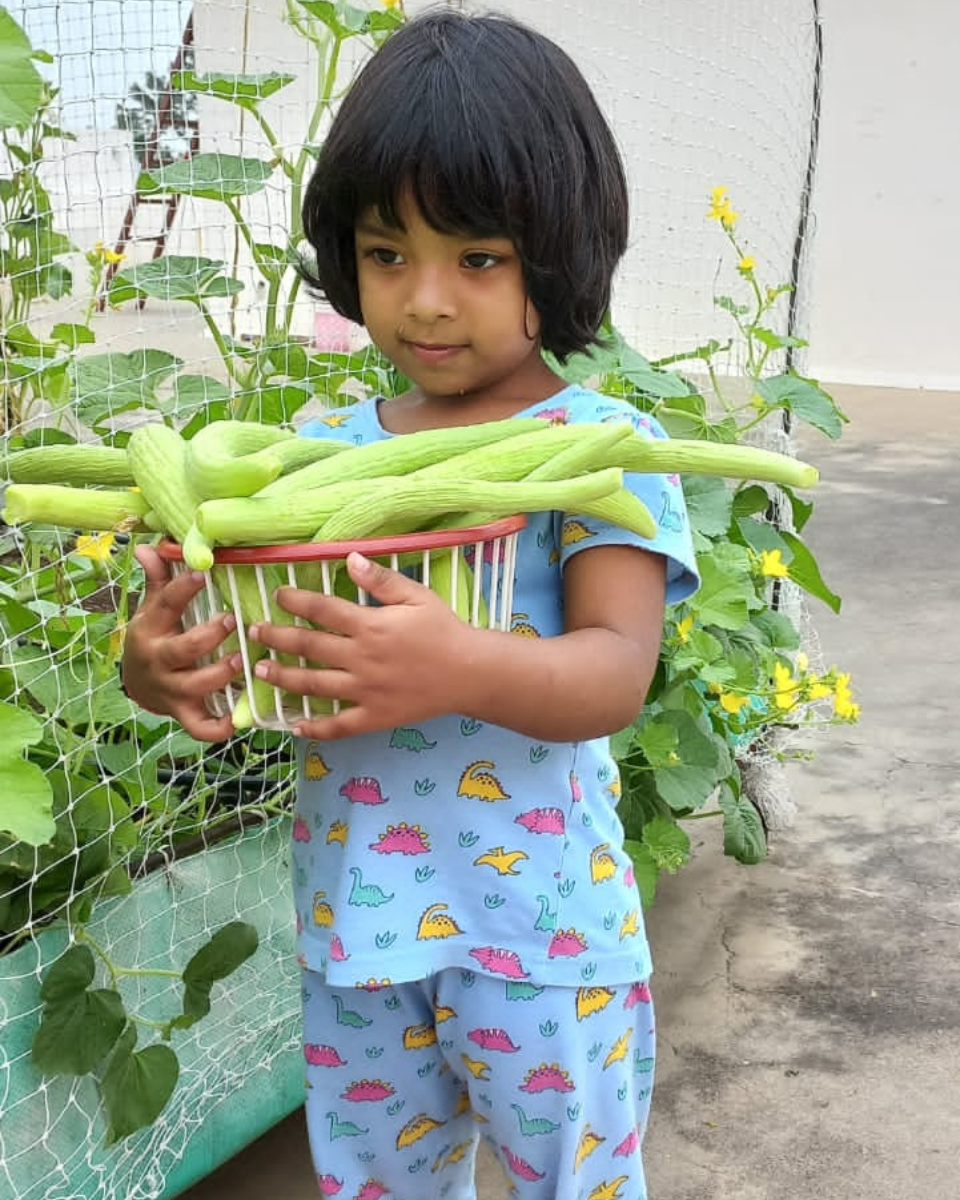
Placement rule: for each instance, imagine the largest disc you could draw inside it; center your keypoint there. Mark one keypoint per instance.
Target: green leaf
(668, 844)
(773, 340)
(208, 176)
(26, 798)
(78, 1032)
(803, 570)
(73, 335)
(21, 85)
(173, 277)
(743, 836)
(71, 974)
(658, 739)
(726, 593)
(761, 535)
(691, 772)
(229, 947)
(191, 393)
(645, 870)
(648, 379)
(106, 384)
(136, 1087)
(805, 400)
(709, 504)
(232, 87)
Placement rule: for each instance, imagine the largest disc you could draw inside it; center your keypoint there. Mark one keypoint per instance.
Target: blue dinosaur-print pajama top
(460, 849)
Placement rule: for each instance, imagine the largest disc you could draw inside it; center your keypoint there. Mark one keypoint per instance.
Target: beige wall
(885, 303)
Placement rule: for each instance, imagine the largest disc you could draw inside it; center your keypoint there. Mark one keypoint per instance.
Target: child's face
(450, 311)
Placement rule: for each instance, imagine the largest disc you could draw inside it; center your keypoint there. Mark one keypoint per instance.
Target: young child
(470, 931)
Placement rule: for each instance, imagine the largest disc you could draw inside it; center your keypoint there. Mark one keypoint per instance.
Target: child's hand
(396, 663)
(159, 659)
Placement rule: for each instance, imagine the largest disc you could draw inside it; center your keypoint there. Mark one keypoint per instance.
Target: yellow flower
(392, 3)
(843, 704)
(732, 703)
(772, 564)
(111, 256)
(96, 546)
(816, 688)
(684, 627)
(785, 687)
(747, 264)
(721, 209)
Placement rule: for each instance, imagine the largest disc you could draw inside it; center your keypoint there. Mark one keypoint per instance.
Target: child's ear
(531, 321)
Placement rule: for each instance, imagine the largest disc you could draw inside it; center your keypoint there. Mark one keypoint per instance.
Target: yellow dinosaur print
(456, 1154)
(334, 420)
(314, 767)
(631, 924)
(416, 1128)
(443, 1012)
(322, 912)
(574, 531)
(503, 861)
(477, 782)
(614, 788)
(434, 923)
(618, 1051)
(602, 864)
(337, 833)
(588, 1142)
(609, 1191)
(592, 999)
(520, 624)
(476, 1066)
(415, 1037)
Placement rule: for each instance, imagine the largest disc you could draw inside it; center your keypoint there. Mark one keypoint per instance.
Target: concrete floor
(807, 1007)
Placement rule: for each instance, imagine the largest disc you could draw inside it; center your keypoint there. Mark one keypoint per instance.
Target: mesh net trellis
(700, 94)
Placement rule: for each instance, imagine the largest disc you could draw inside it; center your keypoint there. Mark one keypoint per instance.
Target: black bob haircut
(493, 131)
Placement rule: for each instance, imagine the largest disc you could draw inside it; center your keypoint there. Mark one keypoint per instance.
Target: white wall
(885, 291)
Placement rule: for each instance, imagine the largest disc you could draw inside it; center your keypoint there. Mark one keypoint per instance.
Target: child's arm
(159, 660)
(411, 659)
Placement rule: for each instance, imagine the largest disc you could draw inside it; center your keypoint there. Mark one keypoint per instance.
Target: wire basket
(472, 569)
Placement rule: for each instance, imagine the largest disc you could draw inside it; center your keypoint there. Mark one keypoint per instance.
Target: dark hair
(494, 131)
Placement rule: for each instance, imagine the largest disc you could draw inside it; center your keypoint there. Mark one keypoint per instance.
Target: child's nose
(431, 296)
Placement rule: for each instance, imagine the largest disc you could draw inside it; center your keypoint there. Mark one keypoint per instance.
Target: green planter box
(241, 1067)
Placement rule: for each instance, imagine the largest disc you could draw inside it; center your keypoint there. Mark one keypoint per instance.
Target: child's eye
(481, 260)
(384, 256)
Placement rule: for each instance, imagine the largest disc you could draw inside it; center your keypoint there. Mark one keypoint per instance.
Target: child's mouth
(433, 352)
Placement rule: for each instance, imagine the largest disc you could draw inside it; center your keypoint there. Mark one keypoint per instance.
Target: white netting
(701, 94)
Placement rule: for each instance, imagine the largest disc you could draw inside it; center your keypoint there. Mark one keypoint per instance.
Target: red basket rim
(399, 543)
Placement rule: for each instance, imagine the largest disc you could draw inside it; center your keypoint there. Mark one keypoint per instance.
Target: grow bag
(240, 1067)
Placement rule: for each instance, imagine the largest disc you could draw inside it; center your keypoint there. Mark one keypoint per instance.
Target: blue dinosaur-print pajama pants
(403, 1080)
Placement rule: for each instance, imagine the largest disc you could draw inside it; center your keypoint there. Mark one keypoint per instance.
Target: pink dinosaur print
(318, 1055)
(301, 830)
(576, 791)
(548, 1077)
(329, 1185)
(362, 789)
(337, 952)
(367, 1089)
(629, 1145)
(556, 416)
(493, 1039)
(542, 820)
(520, 1166)
(401, 839)
(566, 943)
(500, 961)
(639, 994)
(371, 1190)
